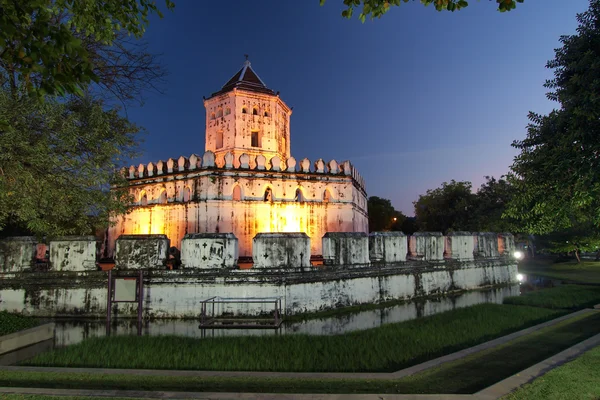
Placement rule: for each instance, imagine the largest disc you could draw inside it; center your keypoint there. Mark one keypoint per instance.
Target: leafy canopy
(376, 8)
(383, 216)
(557, 173)
(454, 207)
(57, 159)
(44, 40)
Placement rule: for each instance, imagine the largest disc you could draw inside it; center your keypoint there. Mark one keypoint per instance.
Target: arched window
(299, 196)
(266, 113)
(255, 111)
(162, 198)
(244, 110)
(227, 111)
(187, 194)
(143, 199)
(237, 193)
(326, 196)
(219, 143)
(268, 195)
(219, 112)
(212, 116)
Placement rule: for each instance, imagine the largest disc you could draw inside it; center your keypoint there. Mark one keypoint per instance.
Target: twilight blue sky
(412, 100)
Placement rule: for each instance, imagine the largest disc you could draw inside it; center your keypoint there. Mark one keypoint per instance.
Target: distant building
(246, 182)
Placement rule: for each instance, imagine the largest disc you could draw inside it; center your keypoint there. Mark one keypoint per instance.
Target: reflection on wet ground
(74, 331)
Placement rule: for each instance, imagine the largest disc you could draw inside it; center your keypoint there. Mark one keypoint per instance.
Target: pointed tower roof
(245, 79)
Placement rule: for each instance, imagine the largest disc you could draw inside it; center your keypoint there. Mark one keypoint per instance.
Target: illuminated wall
(245, 202)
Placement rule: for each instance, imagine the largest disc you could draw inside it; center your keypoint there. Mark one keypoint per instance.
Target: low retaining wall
(177, 294)
(18, 340)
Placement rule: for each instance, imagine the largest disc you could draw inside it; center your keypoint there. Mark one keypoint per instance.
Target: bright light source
(518, 255)
(520, 277)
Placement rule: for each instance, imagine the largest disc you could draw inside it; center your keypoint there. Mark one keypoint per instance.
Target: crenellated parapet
(244, 163)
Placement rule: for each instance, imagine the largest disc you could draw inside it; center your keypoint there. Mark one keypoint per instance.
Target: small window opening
(227, 111)
(219, 142)
(144, 199)
(255, 139)
(212, 116)
(187, 194)
(255, 111)
(237, 193)
(266, 113)
(268, 195)
(244, 110)
(219, 113)
(162, 199)
(299, 196)
(326, 196)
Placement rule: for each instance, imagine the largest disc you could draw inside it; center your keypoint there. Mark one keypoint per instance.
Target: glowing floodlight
(520, 277)
(518, 255)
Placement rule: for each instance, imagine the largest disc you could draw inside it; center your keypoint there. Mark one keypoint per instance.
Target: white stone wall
(209, 206)
(427, 246)
(209, 250)
(141, 251)
(176, 296)
(345, 248)
(17, 253)
(281, 250)
(73, 253)
(388, 247)
(460, 245)
(487, 245)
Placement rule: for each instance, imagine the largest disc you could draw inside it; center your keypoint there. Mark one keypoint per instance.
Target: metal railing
(213, 316)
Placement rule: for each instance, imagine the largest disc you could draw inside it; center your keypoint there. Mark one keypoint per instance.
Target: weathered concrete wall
(506, 244)
(388, 247)
(141, 251)
(345, 248)
(17, 253)
(460, 245)
(176, 294)
(73, 253)
(427, 246)
(69, 332)
(209, 250)
(486, 245)
(281, 250)
(228, 199)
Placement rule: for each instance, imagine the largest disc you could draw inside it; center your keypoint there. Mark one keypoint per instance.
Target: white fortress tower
(245, 116)
(246, 181)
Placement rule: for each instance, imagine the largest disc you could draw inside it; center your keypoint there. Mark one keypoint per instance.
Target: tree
(57, 159)
(489, 205)
(574, 240)
(446, 208)
(557, 173)
(44, 44)
(376, 8)
(383, 216)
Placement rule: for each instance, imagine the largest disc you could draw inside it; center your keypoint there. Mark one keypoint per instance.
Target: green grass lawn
(386, 348)
(11, 323)
(561, 297)
(584, 272)
(577, 379)
(462, 376)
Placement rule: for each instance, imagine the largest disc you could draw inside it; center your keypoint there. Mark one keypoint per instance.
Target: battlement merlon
(208, 161)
